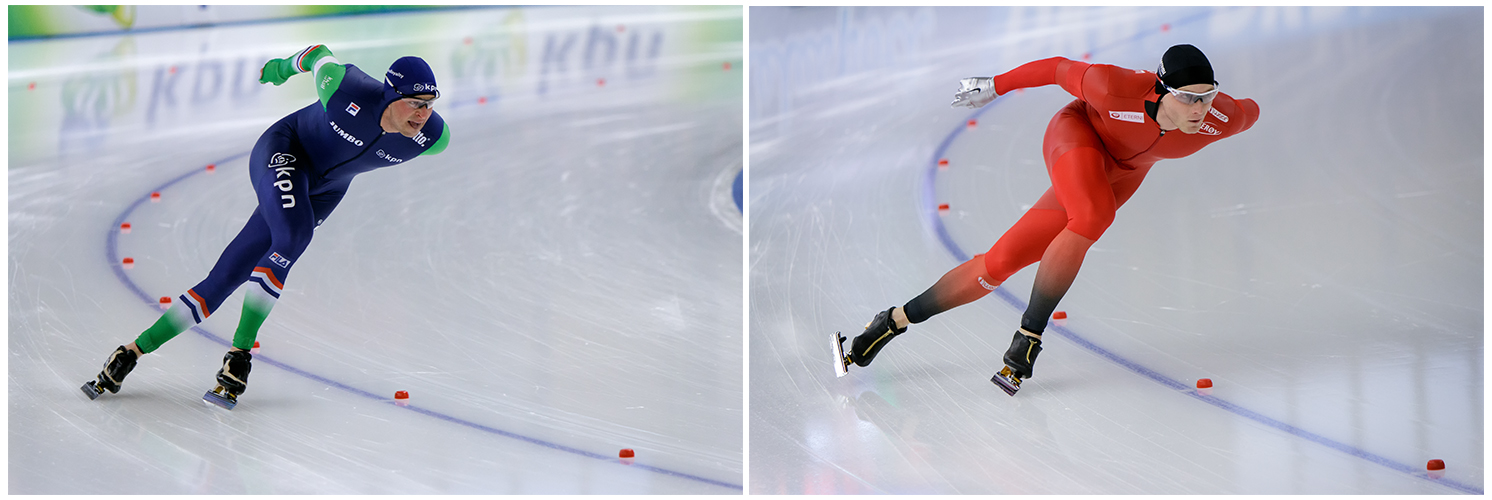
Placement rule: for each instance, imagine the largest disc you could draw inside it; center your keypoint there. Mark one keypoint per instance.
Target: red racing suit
(1098, 149)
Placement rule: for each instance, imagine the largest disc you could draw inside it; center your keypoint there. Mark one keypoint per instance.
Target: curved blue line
(112, 251)
(930, 214)
(736, 189)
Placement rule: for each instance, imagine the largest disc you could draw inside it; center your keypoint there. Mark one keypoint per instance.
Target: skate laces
(1030, 334)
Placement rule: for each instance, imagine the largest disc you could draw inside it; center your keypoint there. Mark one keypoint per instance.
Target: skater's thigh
(1125, 183)
(1069, 130)
(1079, 169)
(1024, 243)
(280, 171)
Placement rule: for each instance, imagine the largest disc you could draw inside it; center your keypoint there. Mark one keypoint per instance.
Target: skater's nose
(421, 114)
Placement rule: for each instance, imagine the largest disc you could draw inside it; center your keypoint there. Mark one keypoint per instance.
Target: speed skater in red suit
(1097, 149)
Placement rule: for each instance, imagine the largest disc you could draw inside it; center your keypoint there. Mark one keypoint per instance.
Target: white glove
(974, 92)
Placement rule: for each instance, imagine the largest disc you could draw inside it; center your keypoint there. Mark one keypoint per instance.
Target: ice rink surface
(556, 286)
(1324, 268)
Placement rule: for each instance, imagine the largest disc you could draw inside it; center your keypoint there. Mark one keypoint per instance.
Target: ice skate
(841, 362)
(878, 332)
(119, 364)
(233, 379)
(1019, 360)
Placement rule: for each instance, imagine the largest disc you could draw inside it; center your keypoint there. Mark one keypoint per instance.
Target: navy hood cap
(409, 76)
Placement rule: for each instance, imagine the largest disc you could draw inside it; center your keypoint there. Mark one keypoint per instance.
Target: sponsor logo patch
(421, 87)
(352, 108)
(279, 261)
(389, 157)
(1208, 129)
(345, 135)
(280, 160)
(420, 138)
(1128, 116)
(986, 286)
(1219, 115)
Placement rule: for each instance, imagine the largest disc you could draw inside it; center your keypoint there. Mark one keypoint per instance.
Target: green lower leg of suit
(256, 307)
(176, 320)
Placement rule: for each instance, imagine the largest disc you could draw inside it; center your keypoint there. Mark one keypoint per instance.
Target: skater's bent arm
(1250, 113)
(1053, 70)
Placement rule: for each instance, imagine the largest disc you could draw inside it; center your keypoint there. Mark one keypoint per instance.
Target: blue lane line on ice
(930, 214)
(113, 256)
(736, 188)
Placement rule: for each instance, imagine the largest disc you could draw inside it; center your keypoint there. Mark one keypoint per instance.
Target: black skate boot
(233, 379)
(878, 332)
(119, 364)
(1019, 360)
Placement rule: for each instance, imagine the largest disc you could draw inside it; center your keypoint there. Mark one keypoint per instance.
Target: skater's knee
(1092, 223)
(292, 241)
(999, 266)
(300, 237)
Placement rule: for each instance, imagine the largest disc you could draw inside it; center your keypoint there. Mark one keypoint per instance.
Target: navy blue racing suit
(301, 168)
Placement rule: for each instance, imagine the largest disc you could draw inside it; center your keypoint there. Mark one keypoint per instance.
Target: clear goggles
(417, 103)
(1190, 98)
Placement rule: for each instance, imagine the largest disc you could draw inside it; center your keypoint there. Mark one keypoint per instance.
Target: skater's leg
(283, 189)
(1025, 242)
(200, 301)
(961, 285)
(237, 260)
(1064, 256)
(1081, 183)
(256, 306)
(1019, 247)
(1059, 267)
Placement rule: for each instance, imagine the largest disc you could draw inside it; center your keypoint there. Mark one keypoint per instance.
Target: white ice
(562, 283)
(1324, 269)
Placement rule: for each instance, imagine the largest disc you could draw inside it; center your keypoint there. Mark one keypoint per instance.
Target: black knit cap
(1184, 65)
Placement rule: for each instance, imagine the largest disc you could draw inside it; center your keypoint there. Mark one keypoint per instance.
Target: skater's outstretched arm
(328, 70)
(1053, 70)
(976, 92)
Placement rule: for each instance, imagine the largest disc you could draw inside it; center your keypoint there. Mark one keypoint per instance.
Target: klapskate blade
(220, 401)
(91, 391)
(840, 369)
(1005, 385)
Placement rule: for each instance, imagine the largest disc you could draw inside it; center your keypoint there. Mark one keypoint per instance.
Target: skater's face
(1187, 116)
(408, 115)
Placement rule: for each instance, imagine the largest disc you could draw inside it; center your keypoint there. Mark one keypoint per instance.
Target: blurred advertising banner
(42, 21)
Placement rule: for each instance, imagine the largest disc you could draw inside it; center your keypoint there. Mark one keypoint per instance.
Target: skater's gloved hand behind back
(271, 72)
(974, 92)
(277, 71)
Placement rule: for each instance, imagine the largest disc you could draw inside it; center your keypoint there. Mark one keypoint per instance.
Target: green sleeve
(440, 145)
(328, 79)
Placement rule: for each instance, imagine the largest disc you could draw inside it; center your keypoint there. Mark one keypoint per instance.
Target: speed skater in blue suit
(300, 169)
